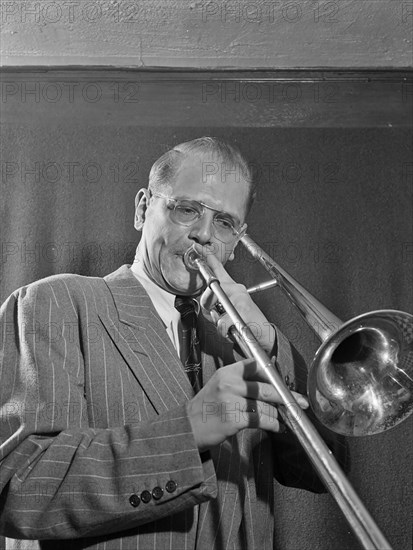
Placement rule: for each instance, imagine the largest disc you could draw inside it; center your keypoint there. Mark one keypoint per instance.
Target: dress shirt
(163, 301)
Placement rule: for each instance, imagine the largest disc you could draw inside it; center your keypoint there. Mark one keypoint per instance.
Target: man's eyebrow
(233, 216)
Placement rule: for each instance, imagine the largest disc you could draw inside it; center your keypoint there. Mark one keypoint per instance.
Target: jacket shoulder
(64, 281)
(65, 290)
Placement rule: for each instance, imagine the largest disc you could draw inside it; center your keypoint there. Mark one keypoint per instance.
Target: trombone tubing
(359, 519)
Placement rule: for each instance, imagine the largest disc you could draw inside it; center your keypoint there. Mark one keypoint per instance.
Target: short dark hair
(166, 167)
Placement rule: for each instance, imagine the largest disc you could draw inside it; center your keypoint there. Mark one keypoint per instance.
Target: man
(105, 442)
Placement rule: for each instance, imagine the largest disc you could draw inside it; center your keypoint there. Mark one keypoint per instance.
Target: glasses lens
(224, 227)
(186, 212)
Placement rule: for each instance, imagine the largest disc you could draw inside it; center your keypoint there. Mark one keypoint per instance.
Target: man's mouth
(181, 253)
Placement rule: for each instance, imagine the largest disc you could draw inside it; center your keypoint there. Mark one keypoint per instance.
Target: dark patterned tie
(190, 348)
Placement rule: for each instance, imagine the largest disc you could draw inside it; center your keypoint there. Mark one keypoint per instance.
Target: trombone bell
(361, 379)
(360, 382)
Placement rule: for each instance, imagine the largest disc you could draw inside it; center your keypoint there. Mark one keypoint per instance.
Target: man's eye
(187, 211)
(224, 223)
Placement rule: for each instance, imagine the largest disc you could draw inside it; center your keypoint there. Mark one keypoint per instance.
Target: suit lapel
(140, 336)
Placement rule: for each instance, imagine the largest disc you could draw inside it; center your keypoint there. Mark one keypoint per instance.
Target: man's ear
(141, 204)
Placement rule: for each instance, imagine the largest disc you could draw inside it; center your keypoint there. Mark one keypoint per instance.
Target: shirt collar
(162, 300)
(166, 299)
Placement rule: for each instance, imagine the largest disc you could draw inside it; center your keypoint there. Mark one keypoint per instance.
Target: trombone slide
(361, 522)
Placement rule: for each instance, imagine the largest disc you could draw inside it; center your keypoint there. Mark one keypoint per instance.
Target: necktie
(190, 349)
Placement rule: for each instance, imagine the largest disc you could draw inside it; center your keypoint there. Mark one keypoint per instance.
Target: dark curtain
(334, 208)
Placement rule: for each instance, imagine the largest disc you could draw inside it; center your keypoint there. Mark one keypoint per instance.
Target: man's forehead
(209, 167)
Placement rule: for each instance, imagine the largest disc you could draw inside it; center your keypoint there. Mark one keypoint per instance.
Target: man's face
(164, 242)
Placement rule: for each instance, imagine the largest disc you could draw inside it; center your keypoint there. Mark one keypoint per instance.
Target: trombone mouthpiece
(190, 257)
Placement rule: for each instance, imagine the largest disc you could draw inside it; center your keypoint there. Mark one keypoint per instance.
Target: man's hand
(237, 293)
(236, 397)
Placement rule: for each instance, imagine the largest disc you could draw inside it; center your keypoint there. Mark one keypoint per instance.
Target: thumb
(211, 254)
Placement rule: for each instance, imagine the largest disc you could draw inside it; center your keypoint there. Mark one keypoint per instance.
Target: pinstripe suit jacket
(93, 411)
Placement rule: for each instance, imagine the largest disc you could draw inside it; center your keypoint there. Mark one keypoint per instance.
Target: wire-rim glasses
(187, 212)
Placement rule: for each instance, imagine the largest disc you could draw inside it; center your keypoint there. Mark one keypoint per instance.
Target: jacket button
(146, 496)
(170, 486)
(134, 500)
(157, 493)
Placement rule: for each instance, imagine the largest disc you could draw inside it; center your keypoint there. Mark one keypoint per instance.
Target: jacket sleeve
(60, 478)
(292, 466)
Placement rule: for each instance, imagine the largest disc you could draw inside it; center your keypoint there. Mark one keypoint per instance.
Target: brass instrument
(360, 381)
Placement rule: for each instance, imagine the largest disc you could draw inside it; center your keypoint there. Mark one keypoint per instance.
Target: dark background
(332, 154)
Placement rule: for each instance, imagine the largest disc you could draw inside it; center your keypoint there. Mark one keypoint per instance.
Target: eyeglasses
(186, 212)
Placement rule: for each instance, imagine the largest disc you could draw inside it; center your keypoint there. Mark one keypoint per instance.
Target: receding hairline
(166, 168)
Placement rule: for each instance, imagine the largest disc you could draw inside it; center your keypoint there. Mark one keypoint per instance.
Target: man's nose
(202, 230)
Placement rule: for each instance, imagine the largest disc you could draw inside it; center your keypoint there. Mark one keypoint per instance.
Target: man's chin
(180, 281)
(186, 288)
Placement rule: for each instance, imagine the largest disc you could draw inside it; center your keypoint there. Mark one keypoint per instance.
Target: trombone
(360, 381)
